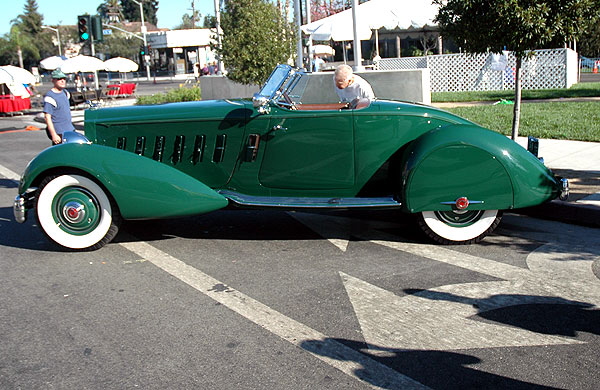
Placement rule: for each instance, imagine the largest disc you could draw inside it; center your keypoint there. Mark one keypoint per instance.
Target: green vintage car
(277, 151)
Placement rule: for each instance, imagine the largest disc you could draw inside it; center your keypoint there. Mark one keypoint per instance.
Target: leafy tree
(131, 10)
(320, 9)
(210, 21)
(516, 25)
(119, 44)
(255, 39)
(18, 48)
(111, 9)
(188, 22)
(27, 43)
(588, 42)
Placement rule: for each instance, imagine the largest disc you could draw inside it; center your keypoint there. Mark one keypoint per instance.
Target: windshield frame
(278, 87)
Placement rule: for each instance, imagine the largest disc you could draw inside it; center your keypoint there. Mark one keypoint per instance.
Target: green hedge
(183, 94)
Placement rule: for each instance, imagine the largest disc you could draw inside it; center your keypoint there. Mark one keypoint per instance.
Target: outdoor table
(10, 103)
(125, 89)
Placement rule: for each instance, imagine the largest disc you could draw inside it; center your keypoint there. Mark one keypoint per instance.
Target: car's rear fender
(141, 187)
(487, 168)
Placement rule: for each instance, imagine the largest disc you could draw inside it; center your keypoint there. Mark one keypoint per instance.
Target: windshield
(277, 78)
(284, 87)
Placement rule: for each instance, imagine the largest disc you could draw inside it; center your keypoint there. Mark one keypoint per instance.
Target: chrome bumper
(19, 209)
(564, 189)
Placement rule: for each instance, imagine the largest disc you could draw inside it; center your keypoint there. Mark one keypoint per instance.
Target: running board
(308, 203)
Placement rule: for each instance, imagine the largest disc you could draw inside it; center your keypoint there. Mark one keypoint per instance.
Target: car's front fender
(469, 161)
(141, 187)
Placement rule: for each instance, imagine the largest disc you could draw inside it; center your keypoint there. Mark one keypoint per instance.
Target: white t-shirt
(360, 88)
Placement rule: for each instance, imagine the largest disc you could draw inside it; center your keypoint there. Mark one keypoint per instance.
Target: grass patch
(577, 90)
(172, 96)
(578, 121)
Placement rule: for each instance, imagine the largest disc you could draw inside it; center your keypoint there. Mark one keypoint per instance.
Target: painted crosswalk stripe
(336, 354)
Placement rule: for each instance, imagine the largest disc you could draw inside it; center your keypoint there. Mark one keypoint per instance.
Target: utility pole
(357, 49)
(299, 53)
(219, 42)
(143, 29)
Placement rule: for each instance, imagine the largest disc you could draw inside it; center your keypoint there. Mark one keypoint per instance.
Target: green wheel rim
(76, 211)
(459, 218)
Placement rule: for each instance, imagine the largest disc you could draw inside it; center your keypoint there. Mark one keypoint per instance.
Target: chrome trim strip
(302, 202)
(470, 202)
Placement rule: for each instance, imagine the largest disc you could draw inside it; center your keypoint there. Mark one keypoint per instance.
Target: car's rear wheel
(75, 212)
(459, 226)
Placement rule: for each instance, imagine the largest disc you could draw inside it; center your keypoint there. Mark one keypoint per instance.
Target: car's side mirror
(260, 102)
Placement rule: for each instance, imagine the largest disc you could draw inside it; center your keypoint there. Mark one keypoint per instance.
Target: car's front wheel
(75, 212)
(459, 226)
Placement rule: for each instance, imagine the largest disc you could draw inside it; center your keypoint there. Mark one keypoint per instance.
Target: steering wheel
(353, 104)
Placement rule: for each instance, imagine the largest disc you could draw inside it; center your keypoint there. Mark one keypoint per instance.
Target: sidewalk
(580, 163)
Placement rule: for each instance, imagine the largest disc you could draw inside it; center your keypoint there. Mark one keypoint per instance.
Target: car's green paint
(141, 187)
(466, 160)
(301, 153)
(420, 154)
(191, 120)
(308, 151)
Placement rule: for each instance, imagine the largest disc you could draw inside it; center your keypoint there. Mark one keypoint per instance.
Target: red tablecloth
(121, 89)
(9, 103)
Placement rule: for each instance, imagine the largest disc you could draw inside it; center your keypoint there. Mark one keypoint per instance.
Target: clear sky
(65, 12)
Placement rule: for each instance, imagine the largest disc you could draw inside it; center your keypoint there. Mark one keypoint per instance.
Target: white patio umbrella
(120, 64)
(14, 78)
(323, 50)
(53, 62)
(19, 75)
(374, 14)
(82, 64)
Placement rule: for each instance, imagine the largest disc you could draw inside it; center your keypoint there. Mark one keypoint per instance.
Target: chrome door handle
(279, 127)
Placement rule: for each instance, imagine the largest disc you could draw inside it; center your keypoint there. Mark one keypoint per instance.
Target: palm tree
(19, 42)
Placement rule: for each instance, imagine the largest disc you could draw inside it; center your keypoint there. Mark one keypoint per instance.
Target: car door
(308, 150)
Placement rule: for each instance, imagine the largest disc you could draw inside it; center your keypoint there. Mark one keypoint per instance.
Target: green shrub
(172, 96)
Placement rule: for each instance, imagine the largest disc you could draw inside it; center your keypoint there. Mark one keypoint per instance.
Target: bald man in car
(350, 86)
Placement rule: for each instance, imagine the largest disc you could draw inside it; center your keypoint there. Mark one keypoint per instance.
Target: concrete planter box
(407, 85)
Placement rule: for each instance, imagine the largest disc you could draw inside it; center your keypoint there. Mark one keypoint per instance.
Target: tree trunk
(517, 105)
(20, 55)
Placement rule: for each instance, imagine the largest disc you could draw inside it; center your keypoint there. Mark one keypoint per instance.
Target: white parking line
(593, 199)
(7, 173)
(336, 354)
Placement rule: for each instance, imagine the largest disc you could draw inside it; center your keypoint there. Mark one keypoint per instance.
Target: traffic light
(83, 26)
(97, 32)
(143, 50)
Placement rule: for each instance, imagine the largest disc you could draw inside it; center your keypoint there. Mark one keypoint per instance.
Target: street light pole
(57, 37)
(143, 28)
(219, 40)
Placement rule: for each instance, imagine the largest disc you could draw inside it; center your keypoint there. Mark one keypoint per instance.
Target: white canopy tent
(373, 15)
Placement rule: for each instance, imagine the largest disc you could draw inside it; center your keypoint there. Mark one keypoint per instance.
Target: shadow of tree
(435, 369)
(541, 314)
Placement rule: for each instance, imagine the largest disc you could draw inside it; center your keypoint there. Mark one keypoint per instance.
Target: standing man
(350, 86)
(57, 111)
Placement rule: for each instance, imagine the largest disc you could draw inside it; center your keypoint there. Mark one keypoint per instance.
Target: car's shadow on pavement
(231, 224)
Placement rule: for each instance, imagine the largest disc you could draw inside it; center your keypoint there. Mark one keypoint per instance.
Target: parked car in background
(276, 151)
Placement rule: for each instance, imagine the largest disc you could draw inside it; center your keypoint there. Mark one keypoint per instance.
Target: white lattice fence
(489, 72)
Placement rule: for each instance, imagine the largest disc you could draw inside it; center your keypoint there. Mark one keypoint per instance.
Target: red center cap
(462, 203)
(72, 212)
